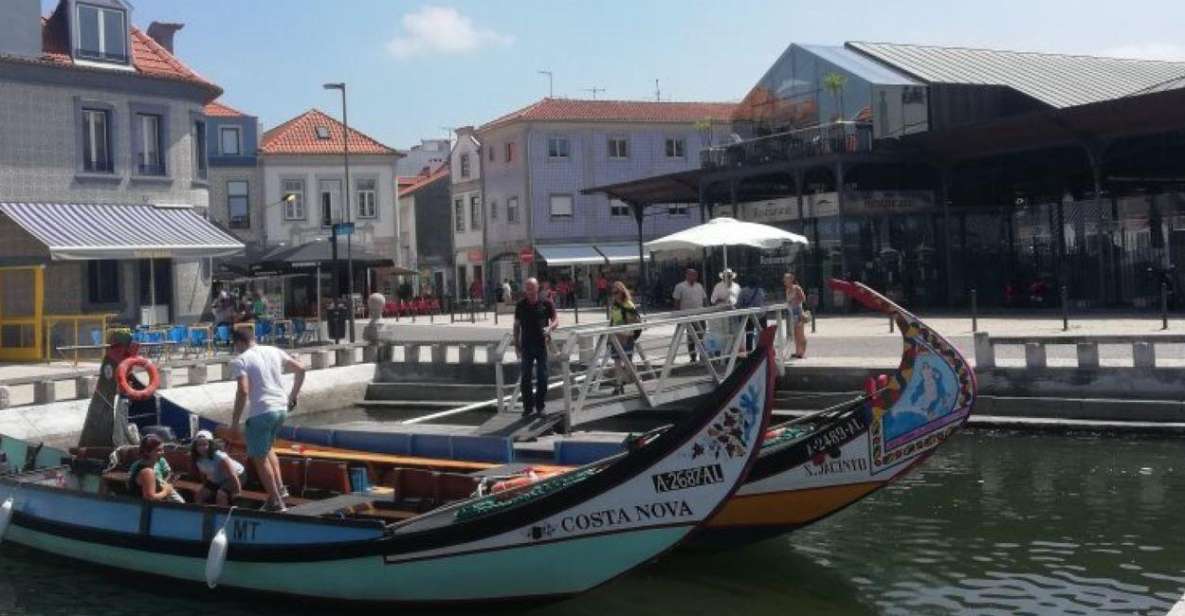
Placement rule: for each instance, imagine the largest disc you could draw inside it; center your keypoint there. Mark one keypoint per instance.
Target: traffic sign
(526, 255)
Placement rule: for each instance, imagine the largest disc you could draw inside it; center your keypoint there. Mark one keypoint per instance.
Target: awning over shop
(589, 254)
(84, 231)
(319, 253)
(625, 252)
(570, 254)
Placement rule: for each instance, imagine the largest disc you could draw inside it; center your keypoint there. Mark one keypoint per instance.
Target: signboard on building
(825, 204)
(887, 201)
(526, 255)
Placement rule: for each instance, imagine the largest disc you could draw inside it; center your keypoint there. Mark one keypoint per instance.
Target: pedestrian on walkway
(752, 296)
(257, 371)
(724, 295)
(690, 295)
(623, 312)
(507, 292)
(795, 298)
(534, 320)
(602, 290)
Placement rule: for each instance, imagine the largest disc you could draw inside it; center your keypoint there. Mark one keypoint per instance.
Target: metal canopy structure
(311, 254)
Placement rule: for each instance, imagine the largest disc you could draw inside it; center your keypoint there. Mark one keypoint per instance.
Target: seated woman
(149, 474)
(221, 474)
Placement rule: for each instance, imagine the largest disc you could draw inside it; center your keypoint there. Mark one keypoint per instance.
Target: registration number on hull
(685, 478)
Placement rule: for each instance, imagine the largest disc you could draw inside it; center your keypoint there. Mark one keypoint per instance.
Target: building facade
(426, 239)
(423, 158)
(466, 218)
(236, 193)
(103, 174)
(540, 158)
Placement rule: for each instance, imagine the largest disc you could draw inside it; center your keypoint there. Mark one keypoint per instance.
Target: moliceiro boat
(554, 536)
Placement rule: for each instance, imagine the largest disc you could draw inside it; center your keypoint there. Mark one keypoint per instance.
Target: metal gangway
(593, 384)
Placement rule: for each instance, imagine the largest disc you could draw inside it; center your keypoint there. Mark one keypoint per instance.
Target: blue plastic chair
(96, 337)
(139, 336)
(263, 330)
(298, 330)
(222, 335)
(198, 339)
(178, 333)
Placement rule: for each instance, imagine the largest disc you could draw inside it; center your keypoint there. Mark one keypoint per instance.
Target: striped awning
(82, 231)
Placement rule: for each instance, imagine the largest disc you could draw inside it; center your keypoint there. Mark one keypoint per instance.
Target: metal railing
(843, 137)
(673, 356)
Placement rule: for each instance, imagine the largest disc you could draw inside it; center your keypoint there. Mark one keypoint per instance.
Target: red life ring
(125, 368)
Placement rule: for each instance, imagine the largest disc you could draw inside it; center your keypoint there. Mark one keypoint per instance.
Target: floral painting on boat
(730, 435)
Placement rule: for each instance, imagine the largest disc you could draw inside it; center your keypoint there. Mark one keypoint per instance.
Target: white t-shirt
(689, 297)
(214, 470)
(263, 366)
(725, 294)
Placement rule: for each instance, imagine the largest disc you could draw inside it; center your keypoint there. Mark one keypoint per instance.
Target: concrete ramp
(517, 427)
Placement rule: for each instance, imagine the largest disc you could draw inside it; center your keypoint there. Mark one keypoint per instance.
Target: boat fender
(774, 433)
(216, 558)
(5, 516)
(124, 371)
(529, 477)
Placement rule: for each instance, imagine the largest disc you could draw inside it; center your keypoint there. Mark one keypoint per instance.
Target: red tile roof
(148, 57)
(299, 136)
(217, 109)
(424, 180)
(578, 110)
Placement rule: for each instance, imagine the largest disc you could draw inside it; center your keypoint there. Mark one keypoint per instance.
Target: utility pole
(550, 83)
(594, 91)
(657, 92)
(448, 131)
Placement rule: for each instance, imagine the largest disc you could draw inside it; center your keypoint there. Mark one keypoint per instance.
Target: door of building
(22, 305)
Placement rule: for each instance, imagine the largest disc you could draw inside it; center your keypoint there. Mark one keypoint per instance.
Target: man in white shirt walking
(690, 295)
(258, 372)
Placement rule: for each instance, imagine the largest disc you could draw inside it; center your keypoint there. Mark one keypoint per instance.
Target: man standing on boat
(257, 370)
(534, 320)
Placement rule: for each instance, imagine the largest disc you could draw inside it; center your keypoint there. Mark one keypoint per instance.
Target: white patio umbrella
(725, 232)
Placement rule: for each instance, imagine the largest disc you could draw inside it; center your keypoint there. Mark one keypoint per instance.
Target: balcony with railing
(835, 138)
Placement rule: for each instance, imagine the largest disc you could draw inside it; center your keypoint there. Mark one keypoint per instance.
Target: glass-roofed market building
(930, 172)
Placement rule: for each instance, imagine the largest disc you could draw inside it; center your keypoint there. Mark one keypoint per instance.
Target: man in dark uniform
(534, 320)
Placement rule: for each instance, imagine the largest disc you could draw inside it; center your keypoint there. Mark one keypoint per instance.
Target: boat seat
(421, 489)
(341, 505)
(119, 481)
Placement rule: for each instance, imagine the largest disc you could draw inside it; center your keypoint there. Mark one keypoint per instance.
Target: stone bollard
(439, 353)
(465, 353)
(198, 374)
(411, 353)
(166, 377)
(44, 392)
(491, 351)
(5, 397)
(1088, 355)
(1143, 355)
(1034, 355)
(224, 371)
(370, 354)
(386, 353)
(84, 386)
(320, 360)
(344, 357)
(985, 354)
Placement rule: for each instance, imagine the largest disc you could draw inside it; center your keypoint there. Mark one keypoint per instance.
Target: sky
(415, 69)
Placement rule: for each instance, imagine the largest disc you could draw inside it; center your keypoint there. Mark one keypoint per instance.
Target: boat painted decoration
(599, 521)
(810, 469)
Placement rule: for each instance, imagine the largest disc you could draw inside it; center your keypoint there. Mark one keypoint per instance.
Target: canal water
(995, 523)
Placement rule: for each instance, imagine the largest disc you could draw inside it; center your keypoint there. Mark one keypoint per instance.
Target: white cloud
(1147, 51)
(442, 30)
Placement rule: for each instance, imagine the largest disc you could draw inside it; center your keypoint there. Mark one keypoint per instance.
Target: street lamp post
(346, 219)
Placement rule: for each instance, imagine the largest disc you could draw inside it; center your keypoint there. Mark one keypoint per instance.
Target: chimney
(162, 32)
(20, 30)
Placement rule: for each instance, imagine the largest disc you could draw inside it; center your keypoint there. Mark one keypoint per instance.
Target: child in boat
(148, 475)
(221, 474)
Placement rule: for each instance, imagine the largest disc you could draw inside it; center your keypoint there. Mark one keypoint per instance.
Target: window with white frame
(96, 141)
(619, 147)
(294, 207)
(149, 160)
(474, 212)
(465, 165)
(331, 191)
(229, 141)
(676, 147)
(512, 209)
(558, 147)
(459, 215)
(677, 209)
(237, 204)
(102, 34)
(367, 191)
(493, 209)
(561, 206)
(618, 208)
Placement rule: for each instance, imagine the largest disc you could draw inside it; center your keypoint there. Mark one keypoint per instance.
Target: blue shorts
(262, 430)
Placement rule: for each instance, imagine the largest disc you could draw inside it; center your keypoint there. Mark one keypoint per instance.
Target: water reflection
(995, 523)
